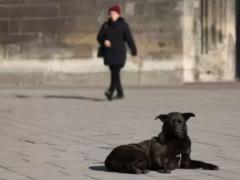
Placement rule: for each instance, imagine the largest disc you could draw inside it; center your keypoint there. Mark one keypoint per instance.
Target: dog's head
(174, 124)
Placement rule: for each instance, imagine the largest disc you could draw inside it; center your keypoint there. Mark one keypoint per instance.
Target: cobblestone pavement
(66, 134)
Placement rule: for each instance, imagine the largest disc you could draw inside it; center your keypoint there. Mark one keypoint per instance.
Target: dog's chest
(165, 150)
(165, 153)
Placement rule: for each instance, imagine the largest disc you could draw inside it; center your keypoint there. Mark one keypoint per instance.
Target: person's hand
(134, 53)
(107, 43)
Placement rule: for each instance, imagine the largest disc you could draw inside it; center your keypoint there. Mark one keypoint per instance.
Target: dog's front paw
(210, 167)
(213, 168)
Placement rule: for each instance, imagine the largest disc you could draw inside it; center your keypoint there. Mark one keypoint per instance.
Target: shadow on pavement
(21, 96)
(64, 97)
(99, 168)
(74, 97)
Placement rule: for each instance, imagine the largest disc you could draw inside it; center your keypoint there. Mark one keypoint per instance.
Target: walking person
(113, 37)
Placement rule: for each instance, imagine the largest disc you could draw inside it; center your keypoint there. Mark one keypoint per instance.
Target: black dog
(169, 151)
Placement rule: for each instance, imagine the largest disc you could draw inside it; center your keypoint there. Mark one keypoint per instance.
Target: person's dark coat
(118, 33)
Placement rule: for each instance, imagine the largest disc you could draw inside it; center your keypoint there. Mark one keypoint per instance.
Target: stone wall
(63, 29)
(42, 29)
(41, 36)
(54, 41)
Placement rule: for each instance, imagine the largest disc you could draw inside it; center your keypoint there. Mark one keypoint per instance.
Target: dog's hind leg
(140, 165)
(137, 168)
(115, 165)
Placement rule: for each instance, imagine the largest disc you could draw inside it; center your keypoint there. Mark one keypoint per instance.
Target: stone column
(237, 62)
(188, 42)
(229, 69)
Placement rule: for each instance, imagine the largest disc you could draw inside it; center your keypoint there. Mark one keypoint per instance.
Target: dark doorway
(238, 39)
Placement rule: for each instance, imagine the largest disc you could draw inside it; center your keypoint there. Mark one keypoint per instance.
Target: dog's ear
(162, 117)
(187, 115)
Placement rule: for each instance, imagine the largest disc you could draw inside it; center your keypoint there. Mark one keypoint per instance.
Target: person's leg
(113, 81)
(118, 82)
(112, 86)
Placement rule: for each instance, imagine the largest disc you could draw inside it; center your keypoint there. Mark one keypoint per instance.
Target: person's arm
(130, 41)
(100, 36)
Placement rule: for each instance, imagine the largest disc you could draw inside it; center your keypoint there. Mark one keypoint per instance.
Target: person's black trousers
(116, 80)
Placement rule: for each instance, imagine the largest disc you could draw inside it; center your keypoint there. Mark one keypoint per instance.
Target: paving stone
(67, 133)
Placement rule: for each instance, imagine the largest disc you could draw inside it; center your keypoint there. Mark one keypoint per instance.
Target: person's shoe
(108, 95)
(119, 96)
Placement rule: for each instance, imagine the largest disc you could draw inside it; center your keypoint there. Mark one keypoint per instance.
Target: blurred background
(53, 42)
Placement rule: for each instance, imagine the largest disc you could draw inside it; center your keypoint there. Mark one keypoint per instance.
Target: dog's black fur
(169, 151)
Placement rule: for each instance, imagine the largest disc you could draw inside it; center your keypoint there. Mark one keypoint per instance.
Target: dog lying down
(170, 150)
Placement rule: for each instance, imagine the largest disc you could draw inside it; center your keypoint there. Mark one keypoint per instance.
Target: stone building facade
(210, 40)
(53, 42)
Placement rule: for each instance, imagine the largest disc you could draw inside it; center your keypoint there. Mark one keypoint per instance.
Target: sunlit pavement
(66, 134)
